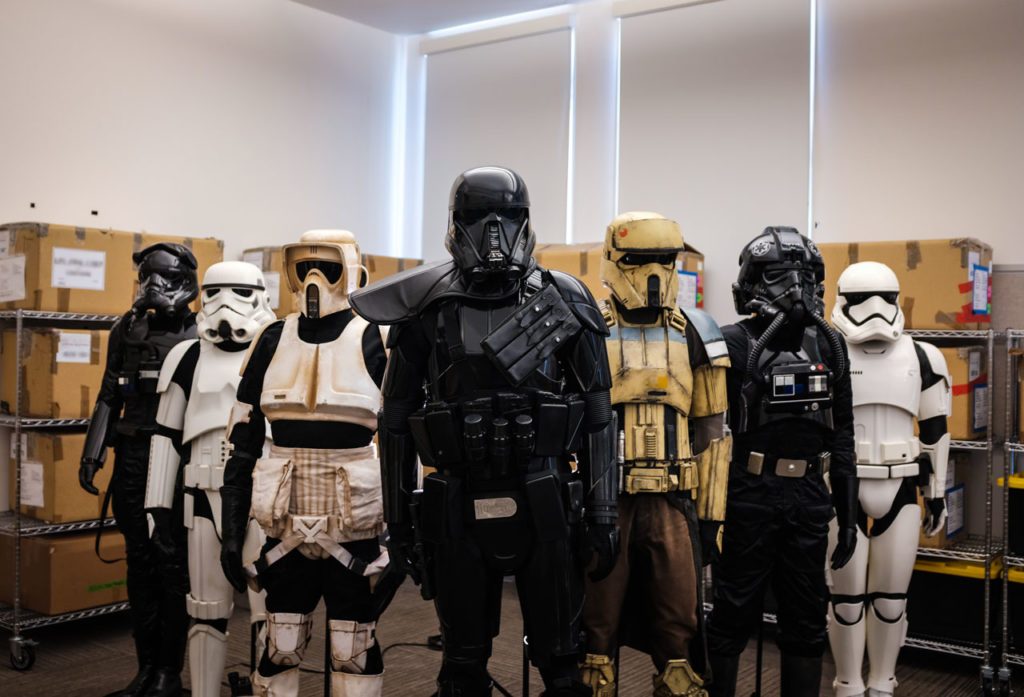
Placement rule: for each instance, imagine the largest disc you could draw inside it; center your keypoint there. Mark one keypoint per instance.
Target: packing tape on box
(908, 311)
(368, 261)
(80, 234)
(914, 255)
(86, 400)
(63, 299)
(853, 252)
(94, 348)
(58, 448)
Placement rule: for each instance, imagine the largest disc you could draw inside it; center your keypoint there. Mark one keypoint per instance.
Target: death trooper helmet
(780, 271)
(167, 278)
(489, 230)
(323, 267)
(867, 303)
(639, 263)
(235, 303)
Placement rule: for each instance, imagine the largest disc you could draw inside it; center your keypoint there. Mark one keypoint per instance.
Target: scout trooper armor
(895, 380)
(197, 392)
(315, 376)
(668, 388)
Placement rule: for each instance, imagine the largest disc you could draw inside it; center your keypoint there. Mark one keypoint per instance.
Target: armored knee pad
(288, 635)
(350, 642)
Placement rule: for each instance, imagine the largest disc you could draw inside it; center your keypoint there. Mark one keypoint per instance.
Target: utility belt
(208, 455)
(141, 381)
(126, 428)
(790, 468)
(497, 435)
(660, 477)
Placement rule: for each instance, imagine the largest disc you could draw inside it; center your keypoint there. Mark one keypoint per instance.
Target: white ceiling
(419, 16)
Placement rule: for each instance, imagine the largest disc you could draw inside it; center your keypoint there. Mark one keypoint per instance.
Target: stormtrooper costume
(197, 392)
(315, 376)
(669, 391)
(895, 380)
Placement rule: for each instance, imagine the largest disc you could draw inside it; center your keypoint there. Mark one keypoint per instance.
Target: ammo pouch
(271, 493)
(541, 326)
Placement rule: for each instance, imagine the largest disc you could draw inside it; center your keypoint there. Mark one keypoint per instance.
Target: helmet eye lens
(211, 292)
(243, 292)
(330, 269)
(667, 260)
(858, 298)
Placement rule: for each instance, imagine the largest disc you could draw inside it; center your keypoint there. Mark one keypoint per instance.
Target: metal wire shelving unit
(1011, 655)
(14, 618)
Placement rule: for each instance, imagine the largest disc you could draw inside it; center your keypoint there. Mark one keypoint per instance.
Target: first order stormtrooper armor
(668, 390)
(791, 415)
(125, 417)
(197, 389)
(315, 376)
(895, 380)
(498, 372)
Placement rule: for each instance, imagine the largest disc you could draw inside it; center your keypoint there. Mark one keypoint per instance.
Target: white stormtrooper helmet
(323, 267)
(867, 304)
(235, 303)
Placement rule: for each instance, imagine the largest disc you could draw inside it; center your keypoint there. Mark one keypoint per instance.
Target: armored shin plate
(713, 468)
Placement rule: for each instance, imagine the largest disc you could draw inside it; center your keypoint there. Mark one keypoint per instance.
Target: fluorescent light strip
(617, 48)
(399, 144)
(499, 21)
(810, 122)
(571, 169)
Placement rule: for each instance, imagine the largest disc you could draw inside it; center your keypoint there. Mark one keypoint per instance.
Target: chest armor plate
(321, 382)
(214, 384)
(809, 352)
(886, 398)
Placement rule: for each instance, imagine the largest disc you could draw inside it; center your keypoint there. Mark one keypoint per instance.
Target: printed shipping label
(981, 408)
(84, 269)
(32, 484)
(973, 365)
(74, 347)
(687, 289)
(979, 291)
(973, 260)
(955, 510)
(5, 245)
(12, 278)
(273, 281)
(950, 474)
(24, 446)
(254, 258)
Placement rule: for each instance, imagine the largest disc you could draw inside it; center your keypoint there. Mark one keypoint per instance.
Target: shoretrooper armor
(498, 373)
(315, 376)
(668, 389)
(197, 389)
(895, 380)
(125, 418)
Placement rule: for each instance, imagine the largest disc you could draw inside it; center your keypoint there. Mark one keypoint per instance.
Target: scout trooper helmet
(639, 263)
(323, 267)
(867, 304)
(235, 303)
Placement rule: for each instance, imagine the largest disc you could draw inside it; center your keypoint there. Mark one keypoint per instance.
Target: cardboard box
(584, 262)
(63, 371)
(207, 250)
(969, 420)
(271, 261)
(49, 479)
(61, 573)
(944, 284)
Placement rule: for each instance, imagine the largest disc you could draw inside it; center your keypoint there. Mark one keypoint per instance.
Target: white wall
(248, 120)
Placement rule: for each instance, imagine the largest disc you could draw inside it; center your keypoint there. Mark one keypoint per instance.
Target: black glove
(234, 514)
(934, 516)
(163, 531)
(601, 549)
(401, 545)
(844, 499)
(709, 551)
(86, 473)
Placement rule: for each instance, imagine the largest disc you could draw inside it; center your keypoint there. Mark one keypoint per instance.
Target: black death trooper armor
(668, 390)
(197, 389)
(895, 381)
(498, 373)
(125, 418)
(315, 376)
(791, 414)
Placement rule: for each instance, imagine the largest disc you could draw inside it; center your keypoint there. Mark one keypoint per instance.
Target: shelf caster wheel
(23, 657)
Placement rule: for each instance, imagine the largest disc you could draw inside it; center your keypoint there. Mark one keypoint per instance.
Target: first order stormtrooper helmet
(235, 303)
(323, 267)
(780, 271)
(867, 305)
(167, 278)
(639, 264)
(489, 230)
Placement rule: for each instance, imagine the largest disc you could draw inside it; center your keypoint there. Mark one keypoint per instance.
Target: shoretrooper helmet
(323, 267)
(639, 264)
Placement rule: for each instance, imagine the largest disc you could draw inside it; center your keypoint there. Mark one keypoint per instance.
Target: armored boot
(598, 673)
(283, 684)
(566, 687)
(801, 676)
(166, 683)
(207, 654)
(139, 684)
(356, 685)
(723, 675)
(679, 680)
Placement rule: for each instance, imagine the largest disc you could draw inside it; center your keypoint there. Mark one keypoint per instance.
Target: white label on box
(78, 268)
(979, 291)
(950, 474)
(973, 259)
(32, 484)
(955, 510)
(5, 245)
(273, 281)
(24, 446)
(12, 278)
(687, 289)
(981, 408)
(74, 347)
(255, 258)
(973, 365)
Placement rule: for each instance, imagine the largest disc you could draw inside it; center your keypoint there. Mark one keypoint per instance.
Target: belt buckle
(309, 526)
(785, 467)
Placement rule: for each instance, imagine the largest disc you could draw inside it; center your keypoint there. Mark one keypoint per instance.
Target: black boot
(723, 675)
(167, 683)
(139, 684)
(801, 676)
